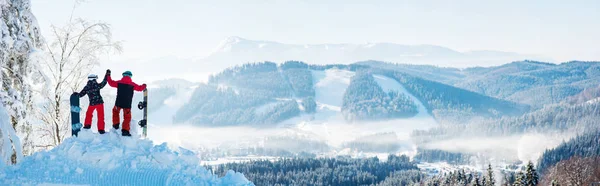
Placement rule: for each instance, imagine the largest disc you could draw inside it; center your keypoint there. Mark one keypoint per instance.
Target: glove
(108, 72)
(75, 93)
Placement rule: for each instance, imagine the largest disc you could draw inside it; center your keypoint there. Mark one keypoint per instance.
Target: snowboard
(143, 105)
(75, 119)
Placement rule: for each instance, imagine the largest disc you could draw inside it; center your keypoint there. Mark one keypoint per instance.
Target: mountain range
(234, 51)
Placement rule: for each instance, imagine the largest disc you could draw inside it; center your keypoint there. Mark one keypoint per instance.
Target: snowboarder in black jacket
(125, 88)
(92, 89)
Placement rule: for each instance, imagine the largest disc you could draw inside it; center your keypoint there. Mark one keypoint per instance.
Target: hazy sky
(562, 30)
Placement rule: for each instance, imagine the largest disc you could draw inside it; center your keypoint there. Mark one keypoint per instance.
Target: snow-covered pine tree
(520, 180)
(531, 176)
(490, 176)
(20, 37)
(475, 181)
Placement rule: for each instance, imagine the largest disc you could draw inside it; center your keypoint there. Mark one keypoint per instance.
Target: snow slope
(389, 84)
(109, 159)
(164, 115)
(330, 86)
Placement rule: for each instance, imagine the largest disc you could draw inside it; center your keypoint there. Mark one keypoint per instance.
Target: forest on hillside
(255, 86)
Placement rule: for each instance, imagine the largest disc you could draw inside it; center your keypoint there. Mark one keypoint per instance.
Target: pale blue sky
(562, 30)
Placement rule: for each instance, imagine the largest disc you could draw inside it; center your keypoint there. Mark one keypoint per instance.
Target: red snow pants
(126, 118)
(89, 114)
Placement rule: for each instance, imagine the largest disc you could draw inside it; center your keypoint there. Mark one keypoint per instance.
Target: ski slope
(109, 159)
(330, 86)
(328, 123)
(164, 115)
(389, 84)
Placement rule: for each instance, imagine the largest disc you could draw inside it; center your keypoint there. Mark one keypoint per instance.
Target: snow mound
(110, 159)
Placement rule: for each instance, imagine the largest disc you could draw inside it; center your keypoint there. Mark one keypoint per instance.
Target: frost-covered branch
(73, 51)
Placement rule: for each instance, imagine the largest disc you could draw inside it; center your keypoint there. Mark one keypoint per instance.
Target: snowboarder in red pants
(92, 89)
(125, 88)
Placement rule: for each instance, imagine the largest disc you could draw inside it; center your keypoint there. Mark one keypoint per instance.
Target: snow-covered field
(93, 159)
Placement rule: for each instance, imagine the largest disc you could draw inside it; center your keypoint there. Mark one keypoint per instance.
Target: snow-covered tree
(72, 50)
(20, 37)
(490, 176)
(520, 180)
(573, 171)
(475, 181)
(531, 176)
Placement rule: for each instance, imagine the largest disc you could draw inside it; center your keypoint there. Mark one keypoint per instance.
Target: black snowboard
(143, 105)
(75, 109)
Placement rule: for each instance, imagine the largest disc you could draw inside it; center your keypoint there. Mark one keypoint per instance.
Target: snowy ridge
(110, 159)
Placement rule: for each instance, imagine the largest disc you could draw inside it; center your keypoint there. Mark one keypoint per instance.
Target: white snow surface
(109, 159)
(164, 115)
(330, 86)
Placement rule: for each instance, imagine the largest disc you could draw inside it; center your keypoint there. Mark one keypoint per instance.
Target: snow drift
(110, 159)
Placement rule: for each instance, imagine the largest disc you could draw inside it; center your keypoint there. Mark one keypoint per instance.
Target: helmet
(127, 73)
(92, 77)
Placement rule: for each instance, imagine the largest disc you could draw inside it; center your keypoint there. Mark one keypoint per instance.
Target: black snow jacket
(92, 89)
(125, 88)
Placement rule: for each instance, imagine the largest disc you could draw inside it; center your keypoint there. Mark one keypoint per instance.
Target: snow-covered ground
(165, 114)
(330, 86)
(109, 159)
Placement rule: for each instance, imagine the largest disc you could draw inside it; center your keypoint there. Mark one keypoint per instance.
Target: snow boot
(101, 131)
(116, 126)
(87, 126)
(125, 133)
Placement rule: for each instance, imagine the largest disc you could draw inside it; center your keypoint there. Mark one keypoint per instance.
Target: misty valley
(439, 121)
(299, 93)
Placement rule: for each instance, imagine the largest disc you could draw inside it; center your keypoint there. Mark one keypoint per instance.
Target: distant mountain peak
(234, 39)
(228, 42)
(236, 50)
